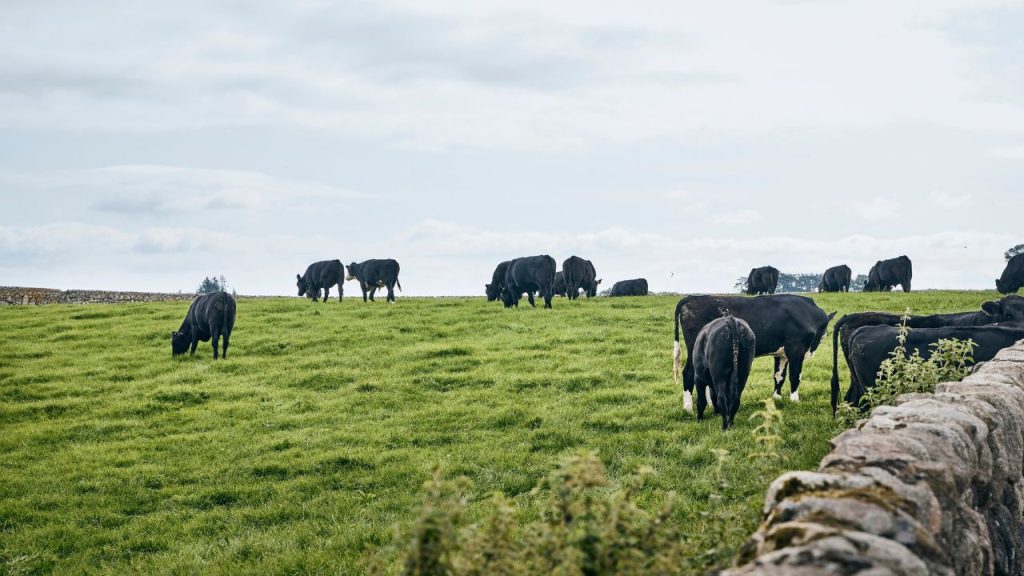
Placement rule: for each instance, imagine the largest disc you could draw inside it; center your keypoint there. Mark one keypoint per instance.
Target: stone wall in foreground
(14, 295)
(932, 485)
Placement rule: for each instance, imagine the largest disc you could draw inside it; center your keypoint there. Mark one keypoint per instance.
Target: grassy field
(303, 450)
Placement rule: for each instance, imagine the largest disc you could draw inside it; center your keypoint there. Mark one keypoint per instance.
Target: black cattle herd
(722, 334)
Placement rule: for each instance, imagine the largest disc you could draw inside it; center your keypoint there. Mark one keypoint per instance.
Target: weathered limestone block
(932, 485)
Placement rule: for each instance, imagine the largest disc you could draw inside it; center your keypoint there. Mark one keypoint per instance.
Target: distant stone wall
(14, 295)
(931, 486)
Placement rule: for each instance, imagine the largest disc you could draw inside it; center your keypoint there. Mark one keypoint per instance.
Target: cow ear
(832, 315)
(992, 308)
(298, 276)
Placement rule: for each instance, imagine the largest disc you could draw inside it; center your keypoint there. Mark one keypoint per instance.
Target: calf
(763, 280)
(374, 274)
(635, 287)
(785, 326)
(530, 274)
(871, 345)
(210, 316)
(323, 274)
(493, 290)
(722, 356)
(836, 279)
(886, 274)
(1013, 275)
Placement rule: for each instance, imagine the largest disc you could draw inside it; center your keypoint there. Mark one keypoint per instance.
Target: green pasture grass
(302, 451)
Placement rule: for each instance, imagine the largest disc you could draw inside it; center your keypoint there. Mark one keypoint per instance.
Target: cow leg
(906, 286)
(391, 292)
(224, 354)
(214, 339)
(341, 291)
(702, 397)
(548, 295)
(372, 292)
(688, 378)
(363, 288)
(529, 296)
(795, 373)
(195, 344)
(327, 292)
(781, 364)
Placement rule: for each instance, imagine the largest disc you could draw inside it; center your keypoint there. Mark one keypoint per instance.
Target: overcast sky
(144, 146)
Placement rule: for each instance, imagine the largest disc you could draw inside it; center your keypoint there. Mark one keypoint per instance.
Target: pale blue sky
(144, 148)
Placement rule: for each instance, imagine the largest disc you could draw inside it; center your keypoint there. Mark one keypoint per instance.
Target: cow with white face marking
(785, 326)
(374, 274)
(722, 356)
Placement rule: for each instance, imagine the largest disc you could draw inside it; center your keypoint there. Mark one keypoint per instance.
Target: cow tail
(398, 283)
(734, 377)
(835, 363)
(677, 352)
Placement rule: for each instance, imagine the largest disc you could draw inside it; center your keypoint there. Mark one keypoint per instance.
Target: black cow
(871, 345)
(787, 327)
(722, 356)
(580, 274)
(374, 274)
(559, 289)
(836, 279)
(763, 280)
(886, 274)
(210, 316)
(493, 290)
(1007, 310)
(323, 274)
(530, 274)
(635, 287)
(1013, 276)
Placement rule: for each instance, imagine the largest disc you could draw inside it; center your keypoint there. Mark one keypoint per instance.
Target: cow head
(353, 271)
(822, 329)
(300, 282)
(508, 298)
(1006, 287)
(493, 291)
(1007, 309)
(179, 343)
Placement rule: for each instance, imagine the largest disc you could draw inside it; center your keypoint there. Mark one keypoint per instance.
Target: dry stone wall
(13, 295)
(932, 485)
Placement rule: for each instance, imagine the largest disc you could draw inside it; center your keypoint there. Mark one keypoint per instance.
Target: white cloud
(950, 201)
(499, 75)
(738, 217)
(1008, 152)
(877, 208)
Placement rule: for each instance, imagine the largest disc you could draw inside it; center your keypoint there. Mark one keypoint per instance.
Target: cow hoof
(688, 402)
(777, 396)
(794, 396)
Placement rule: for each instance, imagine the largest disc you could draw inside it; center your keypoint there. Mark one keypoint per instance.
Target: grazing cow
(836, 279)
(785, 326)
(871, 345)
(374, 274)
(635, 287)
(493, 290)
(211, 316)
(1013, 276)
(530, 274)
(886, 274)
(763, 280)
(722, 356)
(559, 289)
(323, 274)
(580, 274)
(1007, 310)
